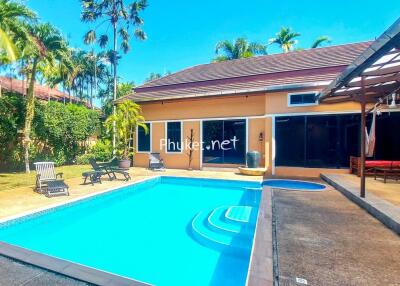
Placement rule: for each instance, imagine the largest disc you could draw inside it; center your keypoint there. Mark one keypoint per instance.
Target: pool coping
(261, 266)
(326, 187)
(100, 277)
(67, 268)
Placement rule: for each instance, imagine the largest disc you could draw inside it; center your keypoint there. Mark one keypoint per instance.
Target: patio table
(94, 176)
(386, 173)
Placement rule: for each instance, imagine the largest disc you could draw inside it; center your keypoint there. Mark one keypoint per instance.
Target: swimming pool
(294, 185)
(164, 231)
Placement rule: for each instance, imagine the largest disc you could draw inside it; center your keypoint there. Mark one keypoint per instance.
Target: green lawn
(21, 179)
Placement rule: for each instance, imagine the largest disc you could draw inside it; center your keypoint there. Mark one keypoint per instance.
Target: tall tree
(122, 16)
(156, 75)
(320, 41)
(12, 15)
(285, 38)
(241, 48)
(45, 47)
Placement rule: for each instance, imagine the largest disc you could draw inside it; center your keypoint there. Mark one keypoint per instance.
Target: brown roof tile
(305, 66)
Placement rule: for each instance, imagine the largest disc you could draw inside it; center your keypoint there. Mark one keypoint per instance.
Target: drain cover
(301, 281)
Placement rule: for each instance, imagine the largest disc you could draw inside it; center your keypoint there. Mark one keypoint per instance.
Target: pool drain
(301, 281)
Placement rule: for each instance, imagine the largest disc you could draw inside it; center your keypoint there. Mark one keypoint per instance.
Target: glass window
(324, 141)
(144, 142)
(174, 134)
(302, 98)
(224, 141)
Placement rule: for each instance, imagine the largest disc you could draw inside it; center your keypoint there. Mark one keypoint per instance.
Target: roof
(41, 92)
(312, 66)
(379, 66)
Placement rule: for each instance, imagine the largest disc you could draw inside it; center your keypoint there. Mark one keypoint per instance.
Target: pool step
(216, 240)
(241, 214)
(258, 189)
(218, 222)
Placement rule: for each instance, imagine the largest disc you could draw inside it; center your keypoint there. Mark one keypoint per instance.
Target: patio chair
(156, 162)
(103, 168)
(48, 181)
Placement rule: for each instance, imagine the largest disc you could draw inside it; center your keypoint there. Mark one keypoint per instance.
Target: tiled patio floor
(389, 192)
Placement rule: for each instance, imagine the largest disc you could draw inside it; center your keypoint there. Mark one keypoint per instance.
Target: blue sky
(183, 33)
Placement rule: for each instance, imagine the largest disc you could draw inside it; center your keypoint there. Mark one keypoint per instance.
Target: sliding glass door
(224, 141)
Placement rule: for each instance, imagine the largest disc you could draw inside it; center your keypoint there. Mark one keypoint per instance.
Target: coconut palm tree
(45, 47)
(122, 17)
(12, 15)
(320, 41)
(238, 49)
(285, 38)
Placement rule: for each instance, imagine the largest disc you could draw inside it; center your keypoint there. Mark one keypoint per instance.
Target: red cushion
(382, 164)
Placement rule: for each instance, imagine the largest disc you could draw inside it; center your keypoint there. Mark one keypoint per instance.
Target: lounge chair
(155, 162)
(48, 181)
(103, 168)
(110, 168)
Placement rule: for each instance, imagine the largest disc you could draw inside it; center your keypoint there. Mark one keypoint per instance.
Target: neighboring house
(41, 92)
(268, 103)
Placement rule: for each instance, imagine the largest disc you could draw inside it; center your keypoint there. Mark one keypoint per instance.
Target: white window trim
(166, 137)
(151, 140)
(301, 104)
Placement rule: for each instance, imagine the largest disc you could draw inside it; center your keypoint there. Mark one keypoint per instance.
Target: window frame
(302, 104)
(166, 137)
(151, 141)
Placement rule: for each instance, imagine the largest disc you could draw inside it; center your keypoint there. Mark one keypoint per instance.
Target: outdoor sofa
(371, 165)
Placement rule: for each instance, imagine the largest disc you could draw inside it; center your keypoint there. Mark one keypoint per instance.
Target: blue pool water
(294, 185)
(164, 231)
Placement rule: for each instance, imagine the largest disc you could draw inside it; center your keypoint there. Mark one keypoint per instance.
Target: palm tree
(238, 49)
(12, 15)
(319, 41)
(122, 17)
(127, 118)
(285, 38)
(45, 47)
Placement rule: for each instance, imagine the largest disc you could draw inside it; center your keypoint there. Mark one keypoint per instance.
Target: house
(267, 104)
(42, 92)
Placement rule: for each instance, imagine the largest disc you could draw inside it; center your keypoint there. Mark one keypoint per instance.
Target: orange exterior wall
(258, 108)
(306, 172)
(277, 102)
(205, 108)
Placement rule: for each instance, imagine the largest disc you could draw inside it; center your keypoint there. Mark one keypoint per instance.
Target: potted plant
(125, 120)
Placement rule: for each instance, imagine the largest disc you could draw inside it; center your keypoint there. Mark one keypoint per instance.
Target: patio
(381, 200)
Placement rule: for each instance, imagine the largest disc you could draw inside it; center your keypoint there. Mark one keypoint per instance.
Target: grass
(14, 180)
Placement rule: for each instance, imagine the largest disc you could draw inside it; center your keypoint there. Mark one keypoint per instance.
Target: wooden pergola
(373, 78)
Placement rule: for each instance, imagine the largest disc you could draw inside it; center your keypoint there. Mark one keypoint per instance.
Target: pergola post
(363, 138)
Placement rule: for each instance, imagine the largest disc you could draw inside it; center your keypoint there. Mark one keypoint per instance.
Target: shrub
(59, 131)
(84, 159)
(102, 150)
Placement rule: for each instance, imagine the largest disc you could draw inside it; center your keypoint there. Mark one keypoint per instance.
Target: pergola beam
(383, 71)
(374, 80)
